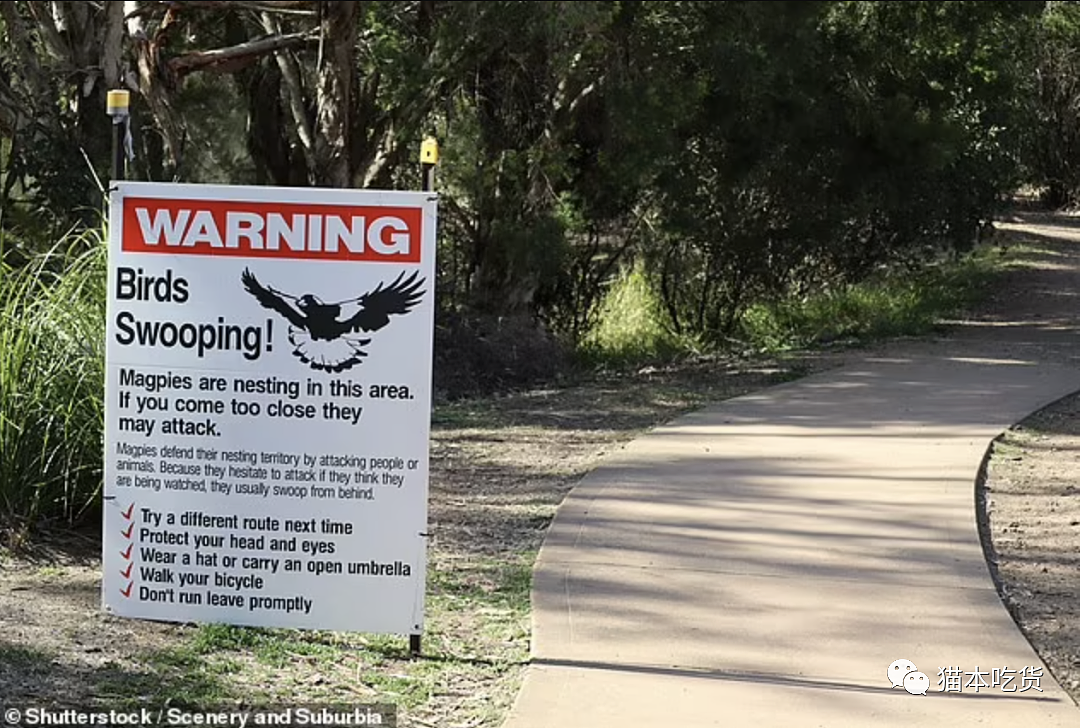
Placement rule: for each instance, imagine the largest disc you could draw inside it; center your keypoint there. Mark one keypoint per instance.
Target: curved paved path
(762, 562)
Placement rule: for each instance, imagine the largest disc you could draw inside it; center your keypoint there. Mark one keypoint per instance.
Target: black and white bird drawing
(328, 336)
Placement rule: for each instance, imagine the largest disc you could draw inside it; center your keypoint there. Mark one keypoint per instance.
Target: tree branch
(200, 60)
(12, 113)
(24, 51)
(290, 74)
(266, 6)
(112, 51)
(50, 35)
(333, 93)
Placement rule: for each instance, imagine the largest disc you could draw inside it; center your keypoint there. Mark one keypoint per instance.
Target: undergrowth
(52, 314)
(894, 303)
(632, 327)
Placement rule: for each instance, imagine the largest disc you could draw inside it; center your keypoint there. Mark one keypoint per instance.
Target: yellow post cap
(429, 151)
(117, 101)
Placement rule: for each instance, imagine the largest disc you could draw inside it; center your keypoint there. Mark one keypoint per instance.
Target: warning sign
(268, 394)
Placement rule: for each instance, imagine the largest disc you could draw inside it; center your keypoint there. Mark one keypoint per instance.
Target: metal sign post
(429, 157)
(117, 105)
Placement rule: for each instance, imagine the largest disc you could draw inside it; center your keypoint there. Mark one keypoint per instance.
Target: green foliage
(740, 153)
(51, 101)
(52, 314)
(630, 326)
(827, 139)
(1052, 144)
(893, 303)
(215, 152)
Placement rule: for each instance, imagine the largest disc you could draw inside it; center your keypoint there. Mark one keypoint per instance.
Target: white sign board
(268, 395)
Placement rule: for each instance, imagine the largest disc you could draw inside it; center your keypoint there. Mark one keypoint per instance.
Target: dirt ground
(1034, 510)
(499, 469)
(1031, 491)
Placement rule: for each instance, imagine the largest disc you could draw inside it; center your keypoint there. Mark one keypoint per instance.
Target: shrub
(52, 314)
(630, 326)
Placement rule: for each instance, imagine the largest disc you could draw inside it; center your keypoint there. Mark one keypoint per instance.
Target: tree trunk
(112, 51)
(333, 92)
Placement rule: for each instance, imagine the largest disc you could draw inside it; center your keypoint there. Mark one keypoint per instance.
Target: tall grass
(894, 303)
(52, 315)
(631, 327)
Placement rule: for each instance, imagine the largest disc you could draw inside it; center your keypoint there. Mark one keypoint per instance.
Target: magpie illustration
(326, 335)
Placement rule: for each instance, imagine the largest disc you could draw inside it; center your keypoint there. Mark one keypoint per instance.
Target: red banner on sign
(271, 230)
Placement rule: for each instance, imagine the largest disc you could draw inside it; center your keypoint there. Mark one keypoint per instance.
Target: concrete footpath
(762, 563)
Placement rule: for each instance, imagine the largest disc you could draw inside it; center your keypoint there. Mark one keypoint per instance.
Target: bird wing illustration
(272, 299)
(327, 337)
(378, 305)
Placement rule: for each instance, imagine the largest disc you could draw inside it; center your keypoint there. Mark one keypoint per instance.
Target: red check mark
(126, 573)
(127, 552)
(127, 514)
(127, 533)
(127, 592)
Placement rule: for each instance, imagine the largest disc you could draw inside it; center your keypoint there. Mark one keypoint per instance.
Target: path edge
(986, 540)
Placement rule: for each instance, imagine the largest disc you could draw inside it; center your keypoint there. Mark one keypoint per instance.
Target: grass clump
(476, 632)
(891, 304)
(630, 326)
(52, 316)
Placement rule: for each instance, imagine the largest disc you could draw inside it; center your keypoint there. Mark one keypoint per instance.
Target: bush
(478, 355)
(896, 303)
(630, 325)
(52, 314)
